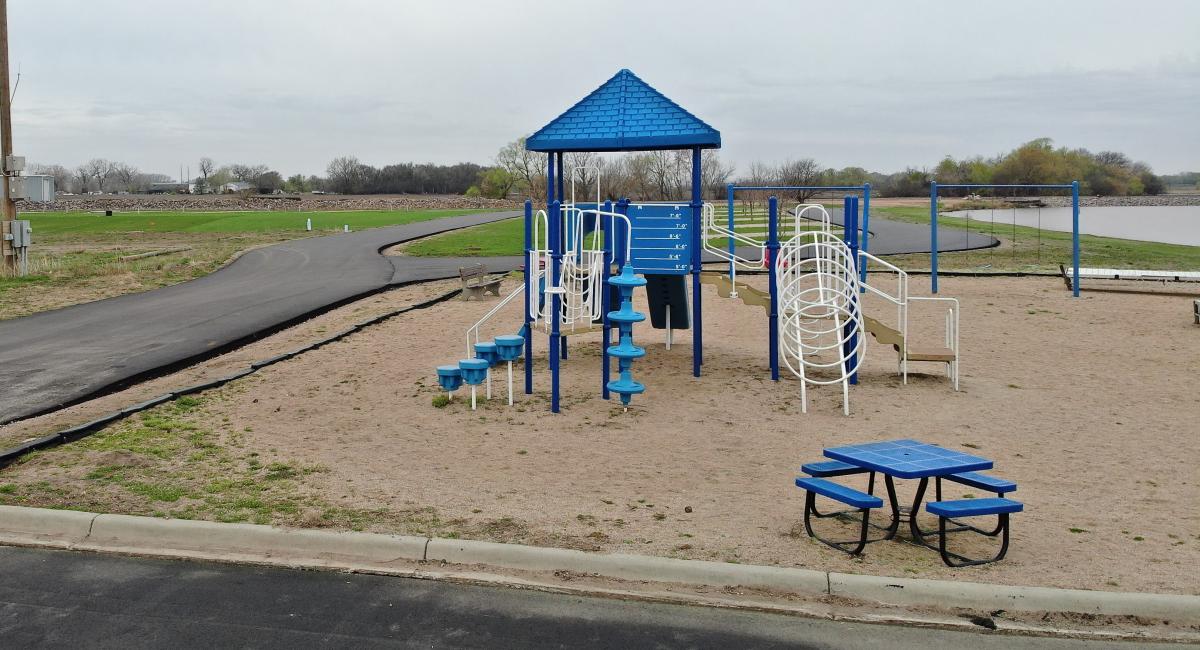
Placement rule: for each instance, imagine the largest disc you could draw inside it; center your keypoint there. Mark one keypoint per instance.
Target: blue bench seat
(973, 507)
(846, 495)
(827, 468)
(983, 481)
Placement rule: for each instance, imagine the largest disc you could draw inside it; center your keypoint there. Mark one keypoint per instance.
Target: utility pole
(6, 143)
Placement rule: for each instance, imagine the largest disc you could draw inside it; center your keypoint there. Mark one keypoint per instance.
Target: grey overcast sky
(882, 84)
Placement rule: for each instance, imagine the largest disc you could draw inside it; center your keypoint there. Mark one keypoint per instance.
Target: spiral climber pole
(625, 351)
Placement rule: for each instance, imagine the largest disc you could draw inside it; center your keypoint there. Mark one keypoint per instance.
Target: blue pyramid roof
(624, 114)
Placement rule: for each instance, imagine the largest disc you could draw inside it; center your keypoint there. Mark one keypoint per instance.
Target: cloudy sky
(882, 85)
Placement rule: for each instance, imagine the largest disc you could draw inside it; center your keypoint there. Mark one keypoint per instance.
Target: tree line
(651, 176)
(663, 175)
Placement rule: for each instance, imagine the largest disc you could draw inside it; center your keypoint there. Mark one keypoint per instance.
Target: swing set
(935, 188)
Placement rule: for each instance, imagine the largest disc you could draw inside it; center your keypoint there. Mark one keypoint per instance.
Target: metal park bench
(911, 460)
(476, 283)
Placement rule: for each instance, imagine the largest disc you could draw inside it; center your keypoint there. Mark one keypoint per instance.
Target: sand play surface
(1090, 405)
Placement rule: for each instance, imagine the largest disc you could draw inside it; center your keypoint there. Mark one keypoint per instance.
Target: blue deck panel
(661, 243)
(908, 459)
(624, 114)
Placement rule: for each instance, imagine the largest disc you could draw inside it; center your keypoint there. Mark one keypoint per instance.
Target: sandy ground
(1088, 404)
(311, 330)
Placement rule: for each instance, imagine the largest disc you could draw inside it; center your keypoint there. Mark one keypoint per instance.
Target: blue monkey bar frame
(732, 189)
(934, 188)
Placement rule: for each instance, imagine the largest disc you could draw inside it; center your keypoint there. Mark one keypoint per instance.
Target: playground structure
(584, 259)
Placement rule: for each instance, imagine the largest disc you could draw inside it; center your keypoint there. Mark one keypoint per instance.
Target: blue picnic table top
(908, 459)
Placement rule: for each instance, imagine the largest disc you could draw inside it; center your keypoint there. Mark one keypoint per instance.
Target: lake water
(1166, 224)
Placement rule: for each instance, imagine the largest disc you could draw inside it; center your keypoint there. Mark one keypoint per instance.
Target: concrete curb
(395, 554)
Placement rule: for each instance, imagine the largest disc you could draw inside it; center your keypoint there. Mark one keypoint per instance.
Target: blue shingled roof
(624, 114)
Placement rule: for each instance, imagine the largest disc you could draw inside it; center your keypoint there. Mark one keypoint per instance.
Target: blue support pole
(530, 298)
(556, 254)
(562, 198)
(1075, 238)
(697, 206)
(773, 284)
(553, 226)
(849, 332)
(609, 227)
(866, 233)
(933, 235)
(729, 202)
(561, 171)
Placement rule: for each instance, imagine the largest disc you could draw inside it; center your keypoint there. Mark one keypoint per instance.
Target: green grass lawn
(79, 223)
(1024, 252)
(76, 256)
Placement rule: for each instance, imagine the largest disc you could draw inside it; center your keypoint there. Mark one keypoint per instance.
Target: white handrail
(473, 331)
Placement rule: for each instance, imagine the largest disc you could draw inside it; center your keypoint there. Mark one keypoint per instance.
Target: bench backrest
(472, 272)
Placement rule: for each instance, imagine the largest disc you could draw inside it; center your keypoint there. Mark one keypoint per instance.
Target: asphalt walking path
(59, 357)
(70, 599)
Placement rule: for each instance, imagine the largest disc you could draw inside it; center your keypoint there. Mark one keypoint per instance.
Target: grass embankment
(1021, 249)
(76, 257)
(172, 461)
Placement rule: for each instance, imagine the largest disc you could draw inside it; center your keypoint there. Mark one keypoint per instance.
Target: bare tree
(714, 175)
(345, 174)
(247, 173)
(99, 169)
(82, 178)
(581, 170)
(527, 167)
(126, 174)
(804, 171)
(206, 169)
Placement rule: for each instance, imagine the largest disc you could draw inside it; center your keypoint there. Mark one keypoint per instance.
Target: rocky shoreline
(282, 203)
(1124, 201)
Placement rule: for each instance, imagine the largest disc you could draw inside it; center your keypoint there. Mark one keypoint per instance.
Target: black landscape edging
(79, 431)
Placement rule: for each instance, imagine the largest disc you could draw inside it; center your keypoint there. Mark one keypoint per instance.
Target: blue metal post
(553, 226)
(697, 206)
(933, 235)
(729, 196)
(562, 198)
(773, 284)
(530, 298)
(866, 232)
(556, 255)
(561, 171)
(850, 220)
(1075, 238)
(609, 228)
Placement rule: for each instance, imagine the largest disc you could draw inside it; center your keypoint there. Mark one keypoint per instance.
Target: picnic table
(911, 460)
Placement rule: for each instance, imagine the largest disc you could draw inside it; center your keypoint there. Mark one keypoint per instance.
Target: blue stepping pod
(449, 378)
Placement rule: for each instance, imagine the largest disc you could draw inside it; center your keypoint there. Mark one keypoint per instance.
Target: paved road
(71, 600)
(59, 357)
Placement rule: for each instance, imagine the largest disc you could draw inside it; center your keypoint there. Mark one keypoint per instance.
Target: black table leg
(914, 528)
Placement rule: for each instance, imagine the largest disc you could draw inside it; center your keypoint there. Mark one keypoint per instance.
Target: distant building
(172, 188)
(237, 186)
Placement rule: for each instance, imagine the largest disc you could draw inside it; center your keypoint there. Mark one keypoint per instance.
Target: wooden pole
(6, 144)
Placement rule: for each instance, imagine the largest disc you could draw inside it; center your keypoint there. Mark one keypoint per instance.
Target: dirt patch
(1086, 403)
